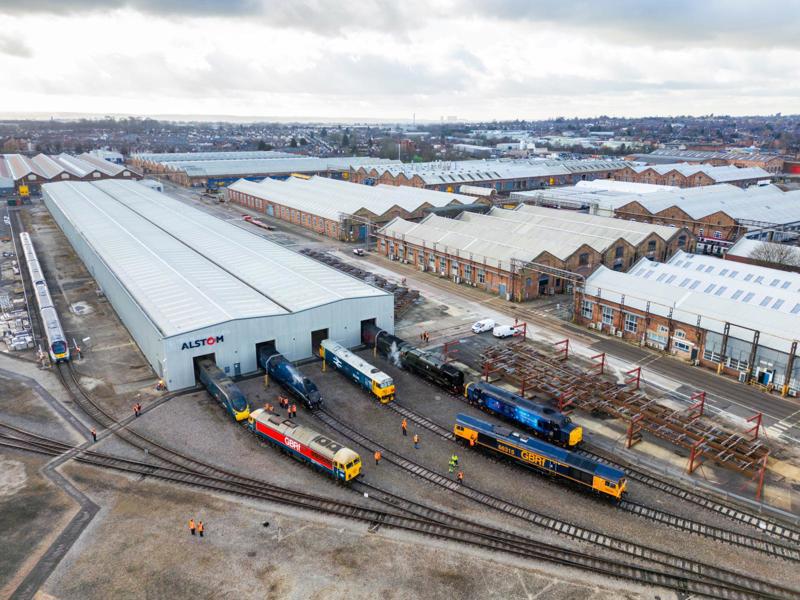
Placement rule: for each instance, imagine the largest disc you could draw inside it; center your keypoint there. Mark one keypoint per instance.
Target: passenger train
(57, 345)
(223, 389)
(539, 418)
(558, 462)
(372, 379)
(305, 444)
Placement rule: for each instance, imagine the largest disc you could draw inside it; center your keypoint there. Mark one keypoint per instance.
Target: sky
(375, 59)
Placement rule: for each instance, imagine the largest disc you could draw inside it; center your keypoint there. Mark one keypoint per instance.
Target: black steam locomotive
(425, 364)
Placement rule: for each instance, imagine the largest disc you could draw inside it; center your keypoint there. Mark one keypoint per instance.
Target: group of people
(404, 427)
(453, 465)
(424, 337)
(199, 527)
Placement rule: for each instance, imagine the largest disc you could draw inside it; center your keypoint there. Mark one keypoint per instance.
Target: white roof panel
(291, 280)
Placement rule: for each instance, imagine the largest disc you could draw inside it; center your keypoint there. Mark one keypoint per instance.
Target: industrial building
(739, 319)
(32, 172)
(766, 254)
(771, 163)
(504, 175)
(339, 209)
(188, 285)
(526, 252)
(219, 169)
(691, 175)
(717, 215)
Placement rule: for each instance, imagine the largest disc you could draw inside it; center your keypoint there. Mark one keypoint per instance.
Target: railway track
(781, 531)
(654, 514)
(722, 576)
(418, 519)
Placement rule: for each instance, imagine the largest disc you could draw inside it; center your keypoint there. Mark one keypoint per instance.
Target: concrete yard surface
(143, 525)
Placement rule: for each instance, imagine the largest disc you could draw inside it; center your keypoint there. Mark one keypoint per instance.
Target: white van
(483, 325)
(504, 331)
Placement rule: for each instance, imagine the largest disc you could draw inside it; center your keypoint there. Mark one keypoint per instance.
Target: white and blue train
(57, 345)
(364, 374)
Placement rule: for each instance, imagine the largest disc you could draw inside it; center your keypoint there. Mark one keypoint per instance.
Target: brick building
(521, 254)
(340, 209)
(741, 320)
(37, 170)
(691, 175)
(771, 163)
(503, 175)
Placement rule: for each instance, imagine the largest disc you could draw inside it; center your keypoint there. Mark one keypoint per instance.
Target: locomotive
(544, 421)
(305, 444)
(57, 345)
(551, 460)
(424, 364)
(364, 374)
(223, 389)
(290, 377)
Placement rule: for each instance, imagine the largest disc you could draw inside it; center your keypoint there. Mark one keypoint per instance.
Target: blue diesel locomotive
(290, 377)
(372, 379)
(558, 462)
(222, 387)
(542, 420)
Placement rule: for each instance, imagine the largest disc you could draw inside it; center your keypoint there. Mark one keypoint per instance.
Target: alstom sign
(209, 341)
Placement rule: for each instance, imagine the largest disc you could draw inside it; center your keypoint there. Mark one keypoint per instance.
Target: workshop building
(692, 175)
(527, 252)
(739, 319)
(32, 172)
(189, 285)
(200, 170)
(503, 175)
(339, 209)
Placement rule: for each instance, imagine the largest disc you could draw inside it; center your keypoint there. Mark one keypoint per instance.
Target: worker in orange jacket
(191, 526)
(377, 457)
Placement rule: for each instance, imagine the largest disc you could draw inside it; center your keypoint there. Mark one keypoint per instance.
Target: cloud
(14, 47)
(325, 17)
(675, 23)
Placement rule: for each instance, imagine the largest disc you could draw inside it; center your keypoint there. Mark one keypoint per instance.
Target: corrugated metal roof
(103, 165)
(778, 326)
(164, 157)
(292, 280)
(717, 174)
(271, 166)
(522, 234)
(189, 270)
(330, 198)
(177, 288)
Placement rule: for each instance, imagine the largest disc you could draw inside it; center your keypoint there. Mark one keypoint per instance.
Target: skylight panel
(777, 304)
(766, 300)
(748, 296)
(736, 294)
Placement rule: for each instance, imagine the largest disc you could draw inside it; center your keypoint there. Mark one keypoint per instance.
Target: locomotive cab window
(59, 347)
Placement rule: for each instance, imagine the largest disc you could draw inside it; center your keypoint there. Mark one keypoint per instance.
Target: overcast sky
(491, 59)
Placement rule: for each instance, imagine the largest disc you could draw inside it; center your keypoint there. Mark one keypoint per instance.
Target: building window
(680, 333)
(631, 322)
(481, 276)
(651, 246)
(587, 310)
(468, 272)
(712, 356)
(735, 363)
(583, 259)
(608, 315)
(681, 241)
(717, 235)
(618, 251)
(682, 346)
(432, 261)
(659, 340)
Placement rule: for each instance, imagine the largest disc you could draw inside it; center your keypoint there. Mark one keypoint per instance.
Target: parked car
(504, 331)
(483, 325)
(358, 251)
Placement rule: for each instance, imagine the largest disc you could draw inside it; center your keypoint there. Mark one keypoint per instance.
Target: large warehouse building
(772, 163)
(740, 319)
(717, 215)
(504, 175)
(691, 175)
(524, 253)
(187, 284)
(219, 169)
(32, 172)
(339, 209)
